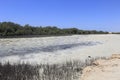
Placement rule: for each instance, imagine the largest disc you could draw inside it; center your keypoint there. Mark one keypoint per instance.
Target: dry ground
(103, 69)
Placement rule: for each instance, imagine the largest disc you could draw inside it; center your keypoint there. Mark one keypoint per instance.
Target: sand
(103, 69)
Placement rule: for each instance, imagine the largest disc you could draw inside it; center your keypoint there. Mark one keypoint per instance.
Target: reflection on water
(52, 48)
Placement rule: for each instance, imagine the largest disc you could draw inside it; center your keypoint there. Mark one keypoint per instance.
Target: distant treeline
(115, 32)
(13, 29)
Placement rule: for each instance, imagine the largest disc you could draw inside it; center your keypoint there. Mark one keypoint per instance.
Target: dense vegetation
(13, 29)
(70, 70)
(116, 33)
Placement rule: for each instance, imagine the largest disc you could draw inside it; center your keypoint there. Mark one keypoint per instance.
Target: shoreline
(34, 36)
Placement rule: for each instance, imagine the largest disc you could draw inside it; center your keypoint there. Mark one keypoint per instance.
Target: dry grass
(67, 71)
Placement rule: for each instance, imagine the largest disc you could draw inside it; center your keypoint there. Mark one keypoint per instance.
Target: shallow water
(57, 49)
(39, 49)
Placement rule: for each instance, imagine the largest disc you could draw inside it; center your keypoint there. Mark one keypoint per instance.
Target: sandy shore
(103, 69)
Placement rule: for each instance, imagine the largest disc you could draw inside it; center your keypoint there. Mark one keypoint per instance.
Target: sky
(82, 14)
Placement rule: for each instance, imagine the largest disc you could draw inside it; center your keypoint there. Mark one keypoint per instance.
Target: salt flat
(58, 49)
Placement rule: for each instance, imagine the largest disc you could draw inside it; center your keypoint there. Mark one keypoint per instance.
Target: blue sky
(82, 14)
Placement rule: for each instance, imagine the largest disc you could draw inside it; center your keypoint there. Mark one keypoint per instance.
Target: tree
(13, 29)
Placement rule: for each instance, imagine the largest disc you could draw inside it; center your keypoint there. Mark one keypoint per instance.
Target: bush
(67, 71)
